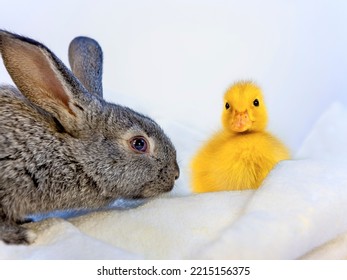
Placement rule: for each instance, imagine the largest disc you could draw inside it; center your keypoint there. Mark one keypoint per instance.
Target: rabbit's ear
(44, 80)
(86, 61)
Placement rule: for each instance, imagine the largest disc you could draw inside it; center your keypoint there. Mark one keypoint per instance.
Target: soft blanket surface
(299, 212)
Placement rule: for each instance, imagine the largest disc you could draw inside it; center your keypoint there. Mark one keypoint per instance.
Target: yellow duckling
(241, 155)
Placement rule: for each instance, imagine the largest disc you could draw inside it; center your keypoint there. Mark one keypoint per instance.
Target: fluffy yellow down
(241, 155)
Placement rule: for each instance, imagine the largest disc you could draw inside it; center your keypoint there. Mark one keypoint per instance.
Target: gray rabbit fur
(62, 146)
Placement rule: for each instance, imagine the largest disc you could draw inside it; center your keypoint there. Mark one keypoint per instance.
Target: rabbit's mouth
(151, 190)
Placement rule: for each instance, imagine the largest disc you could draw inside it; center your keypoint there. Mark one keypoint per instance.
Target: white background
(175, 58)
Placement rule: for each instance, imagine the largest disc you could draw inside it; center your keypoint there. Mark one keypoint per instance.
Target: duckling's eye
(256, 102)
(227, 106)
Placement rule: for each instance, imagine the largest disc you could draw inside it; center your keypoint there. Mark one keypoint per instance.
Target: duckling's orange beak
(240, 121)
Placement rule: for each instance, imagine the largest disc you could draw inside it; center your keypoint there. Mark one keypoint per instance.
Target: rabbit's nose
(177, 171)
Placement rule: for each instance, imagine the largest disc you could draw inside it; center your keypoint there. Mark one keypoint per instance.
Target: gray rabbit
(62, 146)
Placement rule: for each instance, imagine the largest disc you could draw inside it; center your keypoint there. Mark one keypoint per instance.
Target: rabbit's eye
(139, 144)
